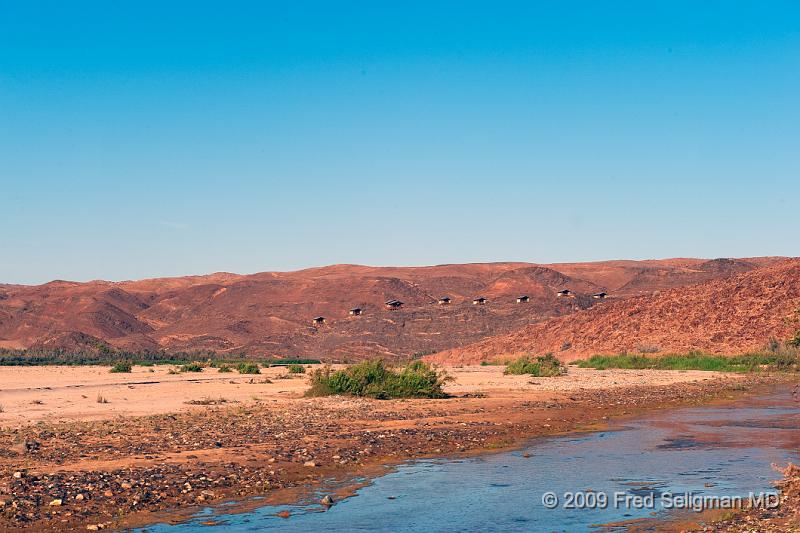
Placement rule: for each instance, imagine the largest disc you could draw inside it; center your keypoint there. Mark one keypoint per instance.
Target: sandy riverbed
(30, 394)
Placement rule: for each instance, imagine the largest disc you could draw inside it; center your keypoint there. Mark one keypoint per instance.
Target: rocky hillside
(271, 313)
(731, 314)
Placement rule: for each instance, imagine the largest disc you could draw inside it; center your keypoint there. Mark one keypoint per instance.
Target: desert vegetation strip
(783, 362)
(108, 356)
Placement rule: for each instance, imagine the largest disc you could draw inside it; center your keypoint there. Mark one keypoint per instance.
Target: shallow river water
(639, 470)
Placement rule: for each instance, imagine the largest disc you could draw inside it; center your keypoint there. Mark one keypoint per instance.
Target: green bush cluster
(192, 367)
(546, 365)
(374, 379)
(248, 368)
(296, 369)
(121, 367)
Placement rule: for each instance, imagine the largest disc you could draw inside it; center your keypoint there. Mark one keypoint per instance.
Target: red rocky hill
(269, 314)
(731, 314)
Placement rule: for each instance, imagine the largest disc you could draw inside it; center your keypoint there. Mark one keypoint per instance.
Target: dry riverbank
(72, 465)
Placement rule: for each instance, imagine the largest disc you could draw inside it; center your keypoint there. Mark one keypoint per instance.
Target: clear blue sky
(144, 139)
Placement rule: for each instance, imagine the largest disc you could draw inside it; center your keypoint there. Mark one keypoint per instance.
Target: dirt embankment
(69, 474)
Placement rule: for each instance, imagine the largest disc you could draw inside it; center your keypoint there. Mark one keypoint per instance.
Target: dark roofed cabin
(523, 299)
(318, 320)
(599, 295)
(394, 304)
(444, 300)
(564, 292)
(480, 300)
(356, 311)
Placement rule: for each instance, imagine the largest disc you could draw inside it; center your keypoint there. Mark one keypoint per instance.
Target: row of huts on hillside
(446, 300)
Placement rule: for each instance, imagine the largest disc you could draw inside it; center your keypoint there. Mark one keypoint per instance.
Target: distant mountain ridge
(269, 313)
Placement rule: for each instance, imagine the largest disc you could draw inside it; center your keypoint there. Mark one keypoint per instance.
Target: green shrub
(223, 368)
(192, 367)
(248, 368)
(296, 369)
(121, 367)
(546, 365)
(374, 380)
